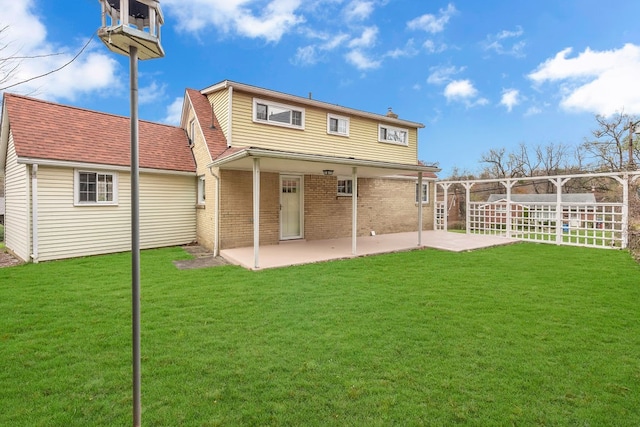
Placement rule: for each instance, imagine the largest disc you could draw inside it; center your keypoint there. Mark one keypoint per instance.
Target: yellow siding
(220, 102)
(65, 230)
(361, 143)
(16, 220)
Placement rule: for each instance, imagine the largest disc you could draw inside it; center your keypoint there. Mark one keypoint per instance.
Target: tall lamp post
(132, 28)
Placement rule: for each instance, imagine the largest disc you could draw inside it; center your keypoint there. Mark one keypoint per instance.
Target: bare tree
(611, 148)
(10, 62)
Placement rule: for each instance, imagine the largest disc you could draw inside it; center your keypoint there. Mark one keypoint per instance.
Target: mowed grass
(523, 334)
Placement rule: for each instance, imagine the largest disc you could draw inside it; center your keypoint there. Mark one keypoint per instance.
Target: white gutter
(99, 166)
(216, 223)
(258, 152)
(34, 213)
(230, 119)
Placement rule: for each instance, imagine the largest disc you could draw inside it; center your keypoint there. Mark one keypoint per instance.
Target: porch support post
(354, 210)
(419, 197)
(467, 208)
(256, 212)
(559, 183)
(625, 210)
(445, 215)
(508, 184)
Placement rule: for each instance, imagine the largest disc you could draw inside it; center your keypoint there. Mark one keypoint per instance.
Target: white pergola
(259, 160)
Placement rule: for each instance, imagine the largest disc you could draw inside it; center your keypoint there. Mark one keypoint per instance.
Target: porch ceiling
(313, 164)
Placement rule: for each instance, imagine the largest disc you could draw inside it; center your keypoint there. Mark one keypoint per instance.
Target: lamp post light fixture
(132, 28)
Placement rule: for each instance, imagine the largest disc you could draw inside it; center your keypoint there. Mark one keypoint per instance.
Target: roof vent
(391, 114)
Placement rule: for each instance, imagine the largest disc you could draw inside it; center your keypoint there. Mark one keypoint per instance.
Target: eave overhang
(314, 164)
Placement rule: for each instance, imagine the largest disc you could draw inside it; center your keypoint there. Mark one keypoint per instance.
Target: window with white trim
(345, 186)
(393, 135)
(192, 131)
(95, 188)
(201, 190)
(277, 114)
(337, 125)
(425, 192)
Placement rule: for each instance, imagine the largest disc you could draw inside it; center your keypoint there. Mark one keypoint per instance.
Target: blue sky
(478, 74)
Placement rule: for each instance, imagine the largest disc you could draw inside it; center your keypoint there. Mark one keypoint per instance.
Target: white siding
(64, 230)
(16, 220)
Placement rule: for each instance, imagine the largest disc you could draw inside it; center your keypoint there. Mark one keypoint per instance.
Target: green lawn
(524, 334)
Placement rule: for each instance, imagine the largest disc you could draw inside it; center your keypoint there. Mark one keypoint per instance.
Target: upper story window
(95, 188)
(278, 114)
(192, 131)
(393, 135)
(337, 125)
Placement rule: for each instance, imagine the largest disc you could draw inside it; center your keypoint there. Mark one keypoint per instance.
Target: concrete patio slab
(305, 252)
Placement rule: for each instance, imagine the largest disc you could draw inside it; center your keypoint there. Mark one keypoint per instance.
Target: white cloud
(361, 61)
(152, 93)
(460, 89)
(174, 112)
(532, 111)
(431, 46)
(601, 82)
(269, 22)
(510, 98)
(463, 91)
(408, 50)
(366, 39)
(305, 55)
(441, 75)
(432, 23)
(502, 44)
(358, 10)
(26, 36)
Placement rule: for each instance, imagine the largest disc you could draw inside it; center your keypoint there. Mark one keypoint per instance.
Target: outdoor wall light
(327, 172)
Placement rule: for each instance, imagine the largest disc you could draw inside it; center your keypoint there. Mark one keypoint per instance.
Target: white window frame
(291, 108)
(339, 119)
(192, 131)
(76, 188)
(425, 196)
(202, 196)
(347, 181)
(390, 130)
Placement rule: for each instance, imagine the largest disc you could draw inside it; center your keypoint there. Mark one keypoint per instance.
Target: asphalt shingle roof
(49, 131)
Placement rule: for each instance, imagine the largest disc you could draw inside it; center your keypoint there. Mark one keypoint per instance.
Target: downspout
(230, 119)
(216, 222)
(34, 213)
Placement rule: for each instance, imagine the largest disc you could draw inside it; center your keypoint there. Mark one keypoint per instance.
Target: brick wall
(236, 209)
(384, 206)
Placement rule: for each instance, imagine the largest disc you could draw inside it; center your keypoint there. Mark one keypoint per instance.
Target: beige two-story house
(274, 167)
(246, 167)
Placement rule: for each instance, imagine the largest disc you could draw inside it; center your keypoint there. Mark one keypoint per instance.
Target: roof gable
(213, 135)
(44, 130)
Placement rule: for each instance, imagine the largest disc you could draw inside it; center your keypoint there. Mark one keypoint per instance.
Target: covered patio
(305, 252)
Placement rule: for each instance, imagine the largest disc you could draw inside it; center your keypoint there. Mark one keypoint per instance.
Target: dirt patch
(8, 260)
(201, 259)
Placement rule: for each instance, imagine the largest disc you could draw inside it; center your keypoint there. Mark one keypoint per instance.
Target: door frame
(301, 196)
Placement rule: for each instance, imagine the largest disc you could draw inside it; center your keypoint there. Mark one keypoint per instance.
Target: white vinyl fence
(602, 225)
